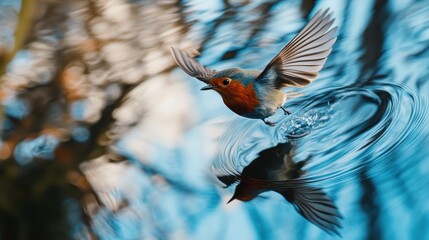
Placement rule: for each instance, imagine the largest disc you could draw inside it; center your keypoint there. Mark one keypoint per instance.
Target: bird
(275, 170)
(258, 95)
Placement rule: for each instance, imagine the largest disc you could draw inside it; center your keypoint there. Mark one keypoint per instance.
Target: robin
(258, 95)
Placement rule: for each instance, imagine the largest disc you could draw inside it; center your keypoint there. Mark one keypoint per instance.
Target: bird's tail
(314, 205)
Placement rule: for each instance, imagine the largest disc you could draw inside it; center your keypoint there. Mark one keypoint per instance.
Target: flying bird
(275, 170)
(258, 95)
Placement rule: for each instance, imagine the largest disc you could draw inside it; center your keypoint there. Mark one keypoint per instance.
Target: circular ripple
(343, 130)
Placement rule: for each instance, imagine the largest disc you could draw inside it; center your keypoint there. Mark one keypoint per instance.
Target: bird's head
(236, 88)
(245, 192)
(226, 81)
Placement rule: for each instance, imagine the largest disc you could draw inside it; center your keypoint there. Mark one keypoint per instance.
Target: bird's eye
(226, 82)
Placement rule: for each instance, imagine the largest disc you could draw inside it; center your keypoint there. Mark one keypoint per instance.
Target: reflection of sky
(15, 107)
(42, 147)
(16, 4)
(8, 12)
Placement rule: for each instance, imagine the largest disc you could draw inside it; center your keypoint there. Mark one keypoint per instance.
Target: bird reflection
(275, 170)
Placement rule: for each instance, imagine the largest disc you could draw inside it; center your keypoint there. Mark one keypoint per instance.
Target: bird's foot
(272, 124)
(286, 111)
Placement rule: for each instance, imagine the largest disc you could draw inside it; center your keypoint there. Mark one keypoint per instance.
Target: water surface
(363, 123)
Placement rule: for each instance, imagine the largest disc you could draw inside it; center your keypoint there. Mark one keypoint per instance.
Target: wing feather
(191, 66)
(300, 61)
(314, 205)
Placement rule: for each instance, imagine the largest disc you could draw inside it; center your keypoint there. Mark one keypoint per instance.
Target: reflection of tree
(373, 39)
(79, 61)
(370, 204)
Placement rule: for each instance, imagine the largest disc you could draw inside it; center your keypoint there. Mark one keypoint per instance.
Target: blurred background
(103, 137)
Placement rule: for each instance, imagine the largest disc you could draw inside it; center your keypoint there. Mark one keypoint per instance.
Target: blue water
(364, 123)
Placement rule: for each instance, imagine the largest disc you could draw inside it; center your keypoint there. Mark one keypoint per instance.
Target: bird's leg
(286, 111)
(272, 124)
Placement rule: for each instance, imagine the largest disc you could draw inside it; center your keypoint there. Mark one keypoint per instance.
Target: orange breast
(239, 98)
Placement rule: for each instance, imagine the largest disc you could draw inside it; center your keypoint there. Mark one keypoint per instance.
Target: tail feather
(315, 206)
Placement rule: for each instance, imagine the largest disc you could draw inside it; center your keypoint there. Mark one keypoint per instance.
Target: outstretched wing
(300, 61)
(226, 172)
(228, 180)
(192, 66)
(314, 205)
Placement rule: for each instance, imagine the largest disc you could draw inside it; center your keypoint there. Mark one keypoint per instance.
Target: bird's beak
(230, 200)
(207, 87)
